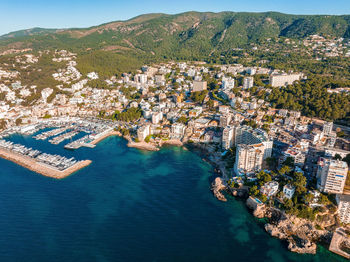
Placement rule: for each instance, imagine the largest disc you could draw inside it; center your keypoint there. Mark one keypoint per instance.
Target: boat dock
(46, 135)
(55, 166)
(82, 142)
(59, 139)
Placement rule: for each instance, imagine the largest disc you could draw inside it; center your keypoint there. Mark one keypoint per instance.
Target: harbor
(55, 131)
(54, 166)
(46, 135)
(59, 139)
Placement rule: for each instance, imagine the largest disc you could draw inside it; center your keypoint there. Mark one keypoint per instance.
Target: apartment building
(249, 158)
(331, 175)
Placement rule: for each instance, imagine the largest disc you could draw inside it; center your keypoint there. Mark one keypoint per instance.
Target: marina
(46, 135)
(59, 139)
(60, 129)
(54, 166)
(58, 162)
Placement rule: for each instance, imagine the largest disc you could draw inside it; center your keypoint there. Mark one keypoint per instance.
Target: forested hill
(187, 35)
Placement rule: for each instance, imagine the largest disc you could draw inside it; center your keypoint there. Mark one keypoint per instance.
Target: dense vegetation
(187, 35)
(226, 37)
(106, 64)
(312, 99)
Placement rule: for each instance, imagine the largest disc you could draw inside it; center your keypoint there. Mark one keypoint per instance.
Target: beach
(99, 139)
(171, 142)
(143, 146)
(41, 168)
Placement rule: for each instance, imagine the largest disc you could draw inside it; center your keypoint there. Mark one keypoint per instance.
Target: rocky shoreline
(301, 235)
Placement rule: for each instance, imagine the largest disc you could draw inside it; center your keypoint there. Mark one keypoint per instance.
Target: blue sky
(23, 14)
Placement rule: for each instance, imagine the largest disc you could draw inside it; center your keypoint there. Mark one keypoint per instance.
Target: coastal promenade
(41, 168)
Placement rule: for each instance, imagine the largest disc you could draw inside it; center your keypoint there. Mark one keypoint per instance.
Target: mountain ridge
(189, 34)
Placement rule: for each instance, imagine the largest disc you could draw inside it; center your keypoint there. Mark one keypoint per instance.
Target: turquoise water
(128, 205)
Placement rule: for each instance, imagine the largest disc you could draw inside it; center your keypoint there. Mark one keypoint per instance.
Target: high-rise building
(140, 78)
(344, 208)
(199, 86)
(177, 130)
(249, 158)
(225, 120)
(284, 79)
(228, 137)
(331, 175)
(248, 82)
(327, 128)
(157, 117)
(249, 136)
(143, 132)
(228, 83)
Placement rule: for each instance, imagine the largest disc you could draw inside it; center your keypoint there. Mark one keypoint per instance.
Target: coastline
(143, 146)
(153, 146)
(98, 140)
(41, 168)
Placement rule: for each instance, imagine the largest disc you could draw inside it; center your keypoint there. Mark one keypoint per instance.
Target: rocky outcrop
(218, 185)
(300, 234)
(302, 246)
(258, 208)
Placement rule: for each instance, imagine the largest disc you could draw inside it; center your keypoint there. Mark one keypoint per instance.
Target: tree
(147, 139)
(323, 200)
(18, 121)
(210, 103)
(199, 96)
(253, 191)
(300, 183)
(288, 204)
(347, 159)
(289, 162)
(309, 198)
(340, 134)
(337, 157)
(263, 177)
(271, 162)
(183, 120)
(131, 114)
(284, 169)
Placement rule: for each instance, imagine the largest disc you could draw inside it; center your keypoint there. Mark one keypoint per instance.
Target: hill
(187, 35)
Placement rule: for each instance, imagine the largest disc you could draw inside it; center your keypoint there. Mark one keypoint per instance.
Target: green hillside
(187, 35)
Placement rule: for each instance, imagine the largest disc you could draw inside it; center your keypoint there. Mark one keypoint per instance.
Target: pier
(42, 163)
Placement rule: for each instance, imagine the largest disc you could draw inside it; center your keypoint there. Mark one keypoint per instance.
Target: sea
(129, 205)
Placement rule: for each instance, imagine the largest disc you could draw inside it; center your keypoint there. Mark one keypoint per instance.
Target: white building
(284, 79)
(248, 82)
(228, 83)
(270, 188)
(249, 158)
(295, 153)
(327, 128)
(157, 117)
(331, 175)
(46, 93)
(228, 136)
(141, 78)
(177, 130)
(199, 86)
(288, 191)
(143, 132)
(225, 120)
(344, 208)
(92, 75)
(248, 136)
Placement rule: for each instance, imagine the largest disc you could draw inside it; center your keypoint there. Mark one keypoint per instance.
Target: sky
(24, 14)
